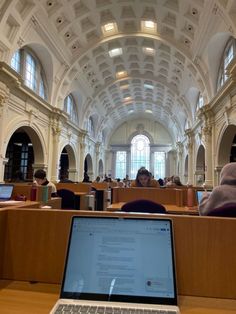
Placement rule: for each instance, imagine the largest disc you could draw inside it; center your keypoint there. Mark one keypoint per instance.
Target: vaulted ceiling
(126, 59)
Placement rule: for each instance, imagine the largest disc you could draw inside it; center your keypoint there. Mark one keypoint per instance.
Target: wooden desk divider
(160, 195)
(33, 247)
(43, 193)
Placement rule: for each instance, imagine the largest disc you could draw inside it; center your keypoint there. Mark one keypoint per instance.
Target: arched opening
(67, 164)
(20, 154)
(200, 166)
(227, 146)
(100, 168)
(64, 164)
(88, 168)
(140, 153)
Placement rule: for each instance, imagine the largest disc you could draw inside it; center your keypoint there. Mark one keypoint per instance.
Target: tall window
(140, 154)
(26, 63)
(200, 102)
(159, 165)
(121, 164)
(228, 55)
(90, 127)
(70, 108)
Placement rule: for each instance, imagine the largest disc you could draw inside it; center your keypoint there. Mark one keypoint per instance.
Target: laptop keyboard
(84, 309)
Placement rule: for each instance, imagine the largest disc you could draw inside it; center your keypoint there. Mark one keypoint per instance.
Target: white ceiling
(163, 86)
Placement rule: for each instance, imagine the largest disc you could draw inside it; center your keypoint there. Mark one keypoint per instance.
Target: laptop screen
(6, 191)
(199, 195)
(120, 259)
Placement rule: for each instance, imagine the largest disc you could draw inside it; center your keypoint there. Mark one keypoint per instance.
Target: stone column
(82, 156)
(218, 171)
(56, 132)
(207, 133)
(4, 97)
(189, 148)
(179, 146)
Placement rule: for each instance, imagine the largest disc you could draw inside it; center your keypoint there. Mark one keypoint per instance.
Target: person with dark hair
(144, 179)
(41, 179)
(64, 179)
(86, 178)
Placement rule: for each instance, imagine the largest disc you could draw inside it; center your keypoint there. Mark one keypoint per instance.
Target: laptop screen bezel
(121, 298)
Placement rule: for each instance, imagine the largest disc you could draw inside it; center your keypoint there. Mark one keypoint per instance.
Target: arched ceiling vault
(131, 58)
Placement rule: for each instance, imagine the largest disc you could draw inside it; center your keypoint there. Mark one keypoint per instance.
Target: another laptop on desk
(6, 192)
(199, 195)
(117, 263)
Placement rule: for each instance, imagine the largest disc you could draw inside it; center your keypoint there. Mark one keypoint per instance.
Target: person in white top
(41, 179)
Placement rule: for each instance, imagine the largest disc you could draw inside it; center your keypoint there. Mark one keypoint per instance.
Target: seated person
(144, 179)
(41, 179)
(64, 179)
(176, 181)
(223, 194)
(86, 178)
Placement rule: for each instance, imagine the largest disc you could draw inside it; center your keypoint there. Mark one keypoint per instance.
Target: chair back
(67, 198)
(228, 210)
(143, 206)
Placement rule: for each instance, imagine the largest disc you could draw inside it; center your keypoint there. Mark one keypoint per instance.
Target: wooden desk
(171, 209)
(18, 297)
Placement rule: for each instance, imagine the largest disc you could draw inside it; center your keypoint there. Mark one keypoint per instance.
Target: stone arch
(88, 166)
(224, 145)
(71, 167)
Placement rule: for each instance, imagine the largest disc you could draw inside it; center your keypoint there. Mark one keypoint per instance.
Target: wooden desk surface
(18, 297)
(171, 209)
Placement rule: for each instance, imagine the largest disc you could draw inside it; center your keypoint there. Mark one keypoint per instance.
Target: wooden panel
(163, 196)
(3, 225)
(100, 185)
(35, 245)
(75, 187)
(17, 297)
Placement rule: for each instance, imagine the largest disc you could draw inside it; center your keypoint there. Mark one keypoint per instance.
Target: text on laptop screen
(120, 257)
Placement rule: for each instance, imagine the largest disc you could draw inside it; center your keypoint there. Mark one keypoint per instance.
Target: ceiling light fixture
(109, 28)
(121, 74)
(148, 26)
(149, 51)
(115, 52)
(148, 86)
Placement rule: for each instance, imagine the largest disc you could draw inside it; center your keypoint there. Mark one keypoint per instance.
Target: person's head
(143, 177)
(228, 174)
(98, 179)
(176, 180)
(40, 176)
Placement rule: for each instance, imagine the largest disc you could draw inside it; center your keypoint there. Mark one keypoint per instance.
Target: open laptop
(199, 194)
(119, 263)
(6, 192)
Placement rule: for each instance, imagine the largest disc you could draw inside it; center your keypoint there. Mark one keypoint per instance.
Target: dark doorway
(20, 156)
(233, 150)
(64, 164)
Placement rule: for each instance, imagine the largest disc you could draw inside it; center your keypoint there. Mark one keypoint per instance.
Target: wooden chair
(143, 206)
(228, 210)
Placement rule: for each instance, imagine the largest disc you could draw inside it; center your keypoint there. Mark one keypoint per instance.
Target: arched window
(140, 154)
(228, 55)
(70, 108)
(200, 102)
(90, 127)
(159, 165)
(26, 63)
(120, 164)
